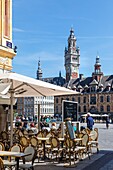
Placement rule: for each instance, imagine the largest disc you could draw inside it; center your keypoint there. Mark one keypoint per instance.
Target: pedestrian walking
(107, 122)
(90, 121)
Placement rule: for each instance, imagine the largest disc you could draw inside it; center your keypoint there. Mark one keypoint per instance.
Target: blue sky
(41, 29)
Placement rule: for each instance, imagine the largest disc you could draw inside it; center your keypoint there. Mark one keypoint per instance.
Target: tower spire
(72, 54)
(39, 71)
(97, 74)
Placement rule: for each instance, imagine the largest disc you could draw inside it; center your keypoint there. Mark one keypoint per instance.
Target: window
(93, 100)
(78, 99)
(93, 89)
(84, 108)
(56, 109)
(101, 99)
(73, 99)
(79, 109)
(56, 100)
(84, 100)
(67, 98)
(108, 108)
(101, 108)
(108, 98)
(6, 18)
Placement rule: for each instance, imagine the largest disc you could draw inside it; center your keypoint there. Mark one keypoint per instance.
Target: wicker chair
(71, 150)
(1, 164)
(2, 147)
(5, 139)
(35, 143)
(56, 149)
(94, 139)
(84, 146)
(24, 141)
(11, 163)
(28, 160)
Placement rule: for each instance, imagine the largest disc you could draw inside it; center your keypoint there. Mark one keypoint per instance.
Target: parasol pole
(11, 116)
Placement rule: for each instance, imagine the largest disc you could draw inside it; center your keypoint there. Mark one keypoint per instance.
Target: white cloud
(33, 58)
(18, 30)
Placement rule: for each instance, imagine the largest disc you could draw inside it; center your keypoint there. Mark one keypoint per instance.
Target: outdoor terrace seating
(56, 149)
(1, 164)
(5, 139)
(10, 163)
(28, 161)
(93, 141)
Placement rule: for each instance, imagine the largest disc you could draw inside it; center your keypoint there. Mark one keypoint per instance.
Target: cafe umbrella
(23, 86)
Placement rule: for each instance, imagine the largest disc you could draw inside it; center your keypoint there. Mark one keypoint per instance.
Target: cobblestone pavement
(101, 161)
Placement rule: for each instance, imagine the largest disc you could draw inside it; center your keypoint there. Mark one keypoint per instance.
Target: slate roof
(105, 82)
(55, 80)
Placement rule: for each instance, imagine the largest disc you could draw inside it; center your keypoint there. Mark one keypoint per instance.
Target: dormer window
(93, 89)
(108, 87)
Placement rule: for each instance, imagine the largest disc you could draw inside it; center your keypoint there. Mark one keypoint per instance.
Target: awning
(4, 88)
(23, 86)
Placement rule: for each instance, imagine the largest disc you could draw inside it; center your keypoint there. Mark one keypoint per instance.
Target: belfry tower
(72, 54)
(7, 51)
(97, 74)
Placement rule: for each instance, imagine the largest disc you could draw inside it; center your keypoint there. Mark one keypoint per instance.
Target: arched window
(79, 109)
(101, 108)
(108, 108)
(108, 98)
(101, 99)
(84, 100)
(73, 99)
(78, 99)
(84, 108)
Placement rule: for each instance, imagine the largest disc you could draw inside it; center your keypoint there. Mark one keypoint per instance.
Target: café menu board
(69, 110)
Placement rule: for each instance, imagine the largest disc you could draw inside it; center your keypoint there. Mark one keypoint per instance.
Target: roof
(104, 83)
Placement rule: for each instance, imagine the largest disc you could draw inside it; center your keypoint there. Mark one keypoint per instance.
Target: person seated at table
(74, 127)
(53, 126)
(32, 125)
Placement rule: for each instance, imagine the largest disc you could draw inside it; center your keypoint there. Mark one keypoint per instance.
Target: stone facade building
(95, 92)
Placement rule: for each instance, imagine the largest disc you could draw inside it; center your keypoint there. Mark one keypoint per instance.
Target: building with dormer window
(95, 92)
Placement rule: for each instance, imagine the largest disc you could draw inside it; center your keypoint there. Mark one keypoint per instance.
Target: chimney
(81, 76)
